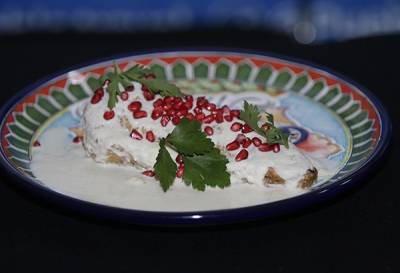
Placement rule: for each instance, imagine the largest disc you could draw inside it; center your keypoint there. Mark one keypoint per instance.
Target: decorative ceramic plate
(327, 117)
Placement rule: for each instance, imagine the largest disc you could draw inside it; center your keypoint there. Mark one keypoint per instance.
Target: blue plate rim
(202, 217)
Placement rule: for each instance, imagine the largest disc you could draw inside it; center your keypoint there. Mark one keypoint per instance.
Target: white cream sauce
(64, 167)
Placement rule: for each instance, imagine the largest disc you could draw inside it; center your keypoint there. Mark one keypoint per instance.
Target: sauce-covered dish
(192, 137)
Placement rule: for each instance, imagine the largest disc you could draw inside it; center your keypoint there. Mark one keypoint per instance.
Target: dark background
(357, 232)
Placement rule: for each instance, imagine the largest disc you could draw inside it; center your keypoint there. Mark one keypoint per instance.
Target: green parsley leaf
(251, 115)
(275, 135)
(207, 169)
(112, 91)
(165, 167)
(137, 71)
(124, 81)
(188, 139)
(203, 163)
(161, 86)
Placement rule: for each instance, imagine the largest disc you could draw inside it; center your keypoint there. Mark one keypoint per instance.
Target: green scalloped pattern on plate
(201, 73)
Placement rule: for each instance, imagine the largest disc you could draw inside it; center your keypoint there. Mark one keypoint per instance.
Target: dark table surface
(356, 232)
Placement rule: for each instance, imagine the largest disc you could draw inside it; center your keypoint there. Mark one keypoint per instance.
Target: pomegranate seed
(215, 112)
(36, 144)
(150, 76)
(276, 148)
(177, 106)
(188, 105)
(167, 107)
(108, 115)
(201, 102)
(145, 88)
(197, 110)
(124, 96)
(157, 112)
(175, 120)
(139, 114)
(150, 136)
(219, 118)
(211, 107)
(148, 95)
(149, 173)
(179, 173)
(200, 116)
(182, 113)
(236, 126)
(247, 129)
(158, 103)
(226, 109)
(256, 141)
(95, 99)
(265, 126)
(240, 138)
(183, 106)
(171, 112)
(208, 130)
(129, 88)
(246, 143)
(99, 92)
(242, 155)
(190, 116)
(228, 118)
(189, 98)
(136, 135)
(265, 147)
(208, 119)
(77, 139)
(168, 99)
(235, 113)
(177, 100)
(179, 159)
(164, 120)
(135, 106)
(234, 145)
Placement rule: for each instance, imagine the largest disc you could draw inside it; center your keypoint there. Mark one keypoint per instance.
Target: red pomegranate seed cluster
(97, 96)
(136, 108)
(245, 142)
(173, 109)
(135, 134)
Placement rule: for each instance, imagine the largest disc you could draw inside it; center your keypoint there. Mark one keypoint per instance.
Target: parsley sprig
(204, 165)
(273, 135)
(136, 73)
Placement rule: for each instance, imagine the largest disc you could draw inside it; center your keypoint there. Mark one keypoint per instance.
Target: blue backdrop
(307, 21)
